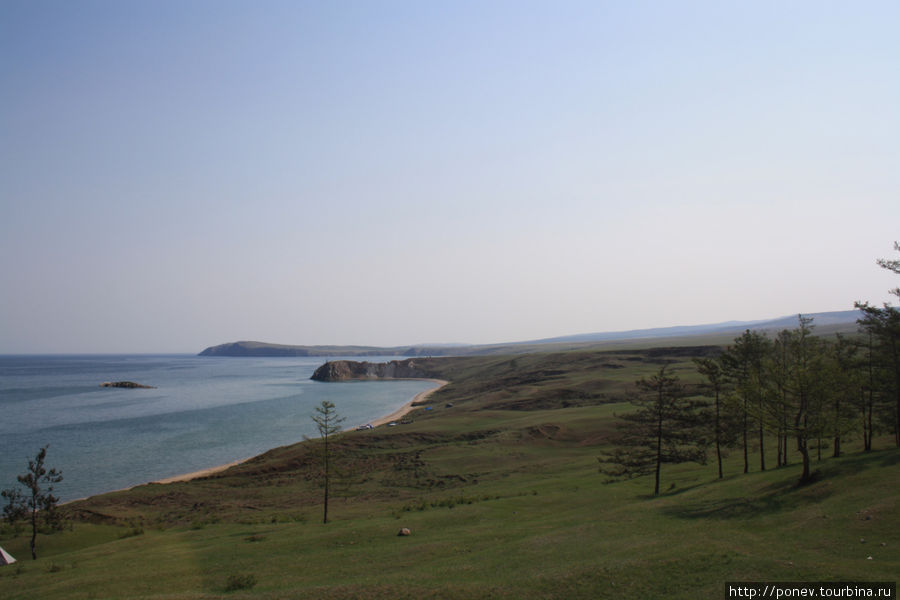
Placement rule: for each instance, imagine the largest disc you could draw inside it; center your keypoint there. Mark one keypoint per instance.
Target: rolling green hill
(499, 487)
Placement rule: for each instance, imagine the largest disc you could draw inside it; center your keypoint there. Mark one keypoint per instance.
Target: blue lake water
(204, 412)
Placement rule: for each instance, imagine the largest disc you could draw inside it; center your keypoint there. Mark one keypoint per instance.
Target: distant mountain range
(716, 333)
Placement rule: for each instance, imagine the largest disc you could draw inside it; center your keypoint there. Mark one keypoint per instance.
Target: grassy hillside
(502, 496)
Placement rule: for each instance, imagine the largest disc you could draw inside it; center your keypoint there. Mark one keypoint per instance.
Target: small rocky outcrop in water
(126, 384)
(343, 370)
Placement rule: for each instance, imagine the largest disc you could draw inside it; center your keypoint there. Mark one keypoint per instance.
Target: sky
(175, 175)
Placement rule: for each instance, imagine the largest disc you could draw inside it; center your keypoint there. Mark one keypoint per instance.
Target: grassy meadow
(499, 486)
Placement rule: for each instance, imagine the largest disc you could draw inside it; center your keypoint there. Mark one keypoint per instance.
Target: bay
(203, 412)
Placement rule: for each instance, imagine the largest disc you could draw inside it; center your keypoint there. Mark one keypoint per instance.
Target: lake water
(204, 412)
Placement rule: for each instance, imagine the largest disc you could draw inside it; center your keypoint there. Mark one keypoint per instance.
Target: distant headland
(248, 348)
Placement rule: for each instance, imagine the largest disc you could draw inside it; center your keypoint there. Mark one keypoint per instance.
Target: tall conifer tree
(328, 423)
(714, 372)
(666, 428)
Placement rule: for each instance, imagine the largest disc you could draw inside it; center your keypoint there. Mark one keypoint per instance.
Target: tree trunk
(33, 532)
(896, 358)
(897, 424)
(658, 448)
(865, 430)
(870, 402)
(804, 452)
(762, 442)
(746, 454)
(869, 418)
(785, 419)
(837, 427)
(800, 426)
(718, 436)
(325, 516)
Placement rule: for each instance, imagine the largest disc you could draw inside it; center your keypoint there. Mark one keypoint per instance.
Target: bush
(53, 568)
(240, 582)
(135, 528)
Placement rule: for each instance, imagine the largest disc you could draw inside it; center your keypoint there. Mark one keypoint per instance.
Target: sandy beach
(201, 473)
(397, 414)
(420, 397)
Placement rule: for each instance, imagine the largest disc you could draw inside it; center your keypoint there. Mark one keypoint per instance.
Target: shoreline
(397, 414)
(400, 412)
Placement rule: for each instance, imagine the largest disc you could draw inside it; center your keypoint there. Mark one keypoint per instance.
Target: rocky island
(126, 384)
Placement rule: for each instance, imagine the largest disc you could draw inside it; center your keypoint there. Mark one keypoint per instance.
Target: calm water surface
(204, 412)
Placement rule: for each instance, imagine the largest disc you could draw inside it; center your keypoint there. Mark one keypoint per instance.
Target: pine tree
(38, 503)
(806, 389)
(715, 374)
(666, 428)
(328, 424)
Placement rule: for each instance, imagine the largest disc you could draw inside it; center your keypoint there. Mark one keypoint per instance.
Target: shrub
(136, 528)
(240, 582)
(53, 568)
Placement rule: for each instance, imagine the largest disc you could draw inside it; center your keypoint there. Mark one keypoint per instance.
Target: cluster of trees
(795, 390)
(801, 392)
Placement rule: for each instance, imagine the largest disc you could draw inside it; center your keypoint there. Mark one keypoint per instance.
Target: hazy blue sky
(180, 174)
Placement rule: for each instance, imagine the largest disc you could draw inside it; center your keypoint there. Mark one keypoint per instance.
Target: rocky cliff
(344, 370)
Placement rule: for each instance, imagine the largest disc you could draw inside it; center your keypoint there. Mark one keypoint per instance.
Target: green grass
(503, 498)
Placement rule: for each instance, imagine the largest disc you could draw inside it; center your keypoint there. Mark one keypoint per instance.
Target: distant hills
(716, 333)
(820, 320)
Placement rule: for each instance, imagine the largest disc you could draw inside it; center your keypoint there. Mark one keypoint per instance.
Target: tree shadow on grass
(890, 458)
(671, 491)
(727, 508)
(771, 499)
(857, 462)
(786, 493)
